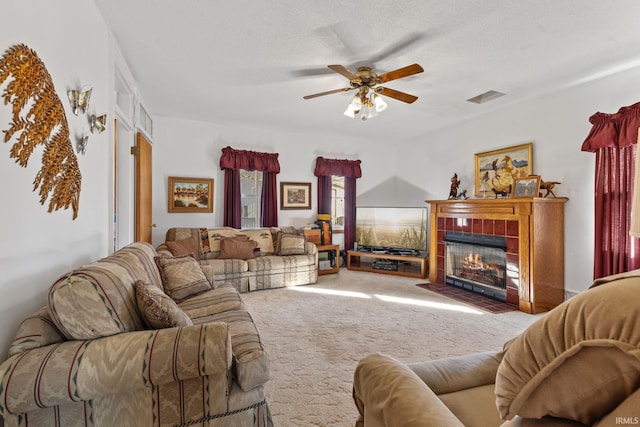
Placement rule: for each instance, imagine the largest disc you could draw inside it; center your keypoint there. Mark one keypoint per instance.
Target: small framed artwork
(190, 194)
(496, 170)
(295, 195)
(526, 187)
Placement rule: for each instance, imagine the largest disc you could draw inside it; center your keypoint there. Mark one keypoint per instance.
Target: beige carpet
(316, 334)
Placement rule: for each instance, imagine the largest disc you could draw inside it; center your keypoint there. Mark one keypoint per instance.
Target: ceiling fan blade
(329, 92)
(335, 38)
(398, 47)
(409, 70)
(342, 70)
(312, 72)
(396, 94)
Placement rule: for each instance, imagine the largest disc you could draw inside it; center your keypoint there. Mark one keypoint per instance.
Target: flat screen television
(395, 228)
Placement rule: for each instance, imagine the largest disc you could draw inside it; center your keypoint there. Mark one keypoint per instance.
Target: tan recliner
(577, 365)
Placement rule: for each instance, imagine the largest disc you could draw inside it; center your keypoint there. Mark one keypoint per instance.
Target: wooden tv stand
(408, 265)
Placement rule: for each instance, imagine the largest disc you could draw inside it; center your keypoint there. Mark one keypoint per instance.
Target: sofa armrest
(459, 373)
(311, 248)
(83, 370)
(388, 393)
(163, 250)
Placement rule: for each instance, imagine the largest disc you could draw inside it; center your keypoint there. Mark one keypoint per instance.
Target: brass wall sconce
(79, 99)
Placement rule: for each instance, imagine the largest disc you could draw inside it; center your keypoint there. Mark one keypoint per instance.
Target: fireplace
(477, 263)
(533, 229)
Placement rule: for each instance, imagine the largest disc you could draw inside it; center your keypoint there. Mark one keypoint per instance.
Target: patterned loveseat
(282, 257)
(112, 347)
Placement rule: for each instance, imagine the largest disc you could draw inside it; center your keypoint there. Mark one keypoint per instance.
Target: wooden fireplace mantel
(534, 228)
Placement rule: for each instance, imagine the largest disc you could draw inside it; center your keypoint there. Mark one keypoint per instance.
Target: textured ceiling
(252, 61)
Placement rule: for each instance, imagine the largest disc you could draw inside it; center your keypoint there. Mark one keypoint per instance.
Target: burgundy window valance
(249, 160)
(613, 130)
(329, 167)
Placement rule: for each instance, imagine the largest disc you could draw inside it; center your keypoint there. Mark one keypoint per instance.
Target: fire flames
(474, 268)
(474, 259)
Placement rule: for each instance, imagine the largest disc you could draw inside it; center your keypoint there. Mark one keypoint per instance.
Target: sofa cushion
(237, 248)
(291, 244)
(157, 309)
(182, 276)
(37, 330)
(262, 236)
(222, 267)
(272, 264)
(473, 406)
(98, 299)
(580, 361)
(183, 247)
(214, 301)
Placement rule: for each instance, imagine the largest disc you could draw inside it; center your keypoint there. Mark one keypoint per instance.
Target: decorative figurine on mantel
(462, 195)
(455, 183)
(504, 192)
(548, 185)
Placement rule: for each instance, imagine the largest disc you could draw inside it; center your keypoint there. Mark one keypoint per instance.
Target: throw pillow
(216, 235)
(291, 244)
(182, 276)
(183, 247)
(578, 361)
(157, 309)
(237, 248)
(263, 237)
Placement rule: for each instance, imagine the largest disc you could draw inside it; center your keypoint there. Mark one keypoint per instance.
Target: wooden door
(143, 196)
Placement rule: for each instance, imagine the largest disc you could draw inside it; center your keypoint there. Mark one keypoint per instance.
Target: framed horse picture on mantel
(496, 170)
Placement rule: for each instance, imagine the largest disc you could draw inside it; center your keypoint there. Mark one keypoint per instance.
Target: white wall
(193, 149)
(411, 172)
(557, 125)
(38, 246)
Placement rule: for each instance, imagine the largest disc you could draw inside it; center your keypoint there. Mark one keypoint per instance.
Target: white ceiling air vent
(487, 96)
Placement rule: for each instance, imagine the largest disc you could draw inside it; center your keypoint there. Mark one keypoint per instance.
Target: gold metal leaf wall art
(42, 122)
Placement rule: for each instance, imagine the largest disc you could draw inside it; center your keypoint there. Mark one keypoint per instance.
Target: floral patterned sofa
(135, 339)
(273, 257)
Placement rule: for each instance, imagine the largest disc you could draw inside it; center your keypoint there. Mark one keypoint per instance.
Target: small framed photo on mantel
(295, 195)
(526, 187)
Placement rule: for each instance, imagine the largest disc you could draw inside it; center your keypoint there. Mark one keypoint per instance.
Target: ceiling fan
(366, 80)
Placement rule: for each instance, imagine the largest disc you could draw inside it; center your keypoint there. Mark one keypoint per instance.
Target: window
(337, 202)
(251, 196)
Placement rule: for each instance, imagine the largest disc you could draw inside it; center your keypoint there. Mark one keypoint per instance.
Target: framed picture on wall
(295, 195)
(190, 194)
(496, 170)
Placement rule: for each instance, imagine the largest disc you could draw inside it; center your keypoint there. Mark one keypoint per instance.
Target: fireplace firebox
(477, 263)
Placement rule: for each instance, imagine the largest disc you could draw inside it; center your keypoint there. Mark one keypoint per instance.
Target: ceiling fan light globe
(350, 112)
(356, 104)
(379, 103)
